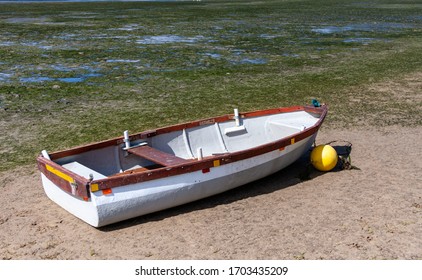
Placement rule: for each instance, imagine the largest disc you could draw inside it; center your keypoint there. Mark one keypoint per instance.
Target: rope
(348, 146)
(344, 156)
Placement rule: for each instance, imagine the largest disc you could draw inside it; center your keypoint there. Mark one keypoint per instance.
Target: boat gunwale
(167, 171)
(60, 177)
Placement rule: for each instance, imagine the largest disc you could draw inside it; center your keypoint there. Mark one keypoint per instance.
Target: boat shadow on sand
(296, 173)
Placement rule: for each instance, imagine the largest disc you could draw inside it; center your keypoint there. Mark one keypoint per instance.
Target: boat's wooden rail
(157, 156)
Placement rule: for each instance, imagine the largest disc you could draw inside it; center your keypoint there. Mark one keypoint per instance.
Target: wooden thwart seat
(157, 156)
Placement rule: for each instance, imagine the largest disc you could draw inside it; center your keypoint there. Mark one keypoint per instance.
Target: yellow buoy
(324, 157)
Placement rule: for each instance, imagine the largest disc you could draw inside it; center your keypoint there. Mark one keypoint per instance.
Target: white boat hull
(129, 201)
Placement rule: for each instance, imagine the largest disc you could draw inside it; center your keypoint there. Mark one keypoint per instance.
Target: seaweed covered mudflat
(71, 73)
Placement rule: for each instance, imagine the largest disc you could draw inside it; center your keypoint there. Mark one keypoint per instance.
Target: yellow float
(324, 157)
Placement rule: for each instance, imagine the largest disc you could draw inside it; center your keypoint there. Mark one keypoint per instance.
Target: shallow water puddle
(79, 79)
(29, 20)
(364, 27)
(4, 77)
(128, 27)
(256, 61)
(40, 79)
(41, 44)
(364, 41)
(167, 39)
(122, 60)
(76, 77)
(213, 55)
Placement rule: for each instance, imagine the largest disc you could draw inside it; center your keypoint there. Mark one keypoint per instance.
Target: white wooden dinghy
(129, 176)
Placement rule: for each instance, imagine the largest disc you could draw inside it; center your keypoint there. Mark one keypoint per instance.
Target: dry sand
(372, 213)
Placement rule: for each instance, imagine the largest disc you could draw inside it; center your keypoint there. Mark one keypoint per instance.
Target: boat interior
(182, 146)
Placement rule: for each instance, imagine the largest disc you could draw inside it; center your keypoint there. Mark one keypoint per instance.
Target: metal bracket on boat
(74, 187)
(134, 146)
(238, 128)
(126, 140)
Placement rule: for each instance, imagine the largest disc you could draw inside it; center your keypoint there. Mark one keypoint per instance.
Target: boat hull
(136, 199)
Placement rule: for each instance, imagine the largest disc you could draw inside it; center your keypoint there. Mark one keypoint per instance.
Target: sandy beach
(371, 213)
